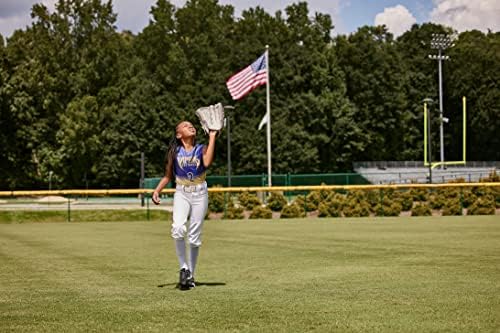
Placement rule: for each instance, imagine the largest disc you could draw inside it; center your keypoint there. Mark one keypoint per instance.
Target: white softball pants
(189, 202)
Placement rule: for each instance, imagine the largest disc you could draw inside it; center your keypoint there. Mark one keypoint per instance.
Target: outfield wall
(113, 192)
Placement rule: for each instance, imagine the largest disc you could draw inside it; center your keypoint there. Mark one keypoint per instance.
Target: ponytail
(170, 156)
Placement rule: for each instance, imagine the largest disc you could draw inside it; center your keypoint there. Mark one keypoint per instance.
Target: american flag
(246, 80)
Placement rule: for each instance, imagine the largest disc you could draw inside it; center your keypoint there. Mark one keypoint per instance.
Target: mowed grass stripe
(70, 278)
(353, 275)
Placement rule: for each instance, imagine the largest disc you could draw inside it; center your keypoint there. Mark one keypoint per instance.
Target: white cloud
(397, 19)
(467, 15)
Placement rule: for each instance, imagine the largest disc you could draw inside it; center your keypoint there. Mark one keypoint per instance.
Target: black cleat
(183, 279)
(190, 282)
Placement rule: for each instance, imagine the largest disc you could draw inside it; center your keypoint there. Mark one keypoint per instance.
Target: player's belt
(192, 188)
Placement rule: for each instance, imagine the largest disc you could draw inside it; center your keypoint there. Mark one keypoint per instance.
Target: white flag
(263, 121)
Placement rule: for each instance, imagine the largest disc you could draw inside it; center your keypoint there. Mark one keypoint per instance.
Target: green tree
(82, 100)
(474, 72)
(78, 140)
(375, 79)
(26, 122)
(64, 56)
(414, 49)
(308, 99)
(184, 52)
(7, 128)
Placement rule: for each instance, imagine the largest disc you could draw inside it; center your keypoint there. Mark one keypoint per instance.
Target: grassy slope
(353, 275)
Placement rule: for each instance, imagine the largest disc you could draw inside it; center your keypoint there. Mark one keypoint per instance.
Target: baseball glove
(211, 117)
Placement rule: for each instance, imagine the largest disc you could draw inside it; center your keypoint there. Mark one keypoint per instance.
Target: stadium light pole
(228, 124)
(441, 42)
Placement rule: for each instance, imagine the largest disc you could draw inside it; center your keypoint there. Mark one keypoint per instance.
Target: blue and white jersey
(188, 166)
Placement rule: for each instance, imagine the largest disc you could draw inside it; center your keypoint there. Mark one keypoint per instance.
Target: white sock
(180, 249)
(193, 257)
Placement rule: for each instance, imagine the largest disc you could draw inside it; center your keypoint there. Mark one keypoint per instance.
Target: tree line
(81, 100)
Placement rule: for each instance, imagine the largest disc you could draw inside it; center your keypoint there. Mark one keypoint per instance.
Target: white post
(268, 112)
(441, 129)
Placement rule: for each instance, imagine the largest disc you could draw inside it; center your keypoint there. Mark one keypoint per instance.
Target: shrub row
(357, 203)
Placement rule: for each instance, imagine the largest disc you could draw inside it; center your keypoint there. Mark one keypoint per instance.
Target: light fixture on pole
(441, 42)
(228, 124)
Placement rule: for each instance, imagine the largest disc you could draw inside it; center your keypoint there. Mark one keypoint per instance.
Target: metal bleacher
(403, 172)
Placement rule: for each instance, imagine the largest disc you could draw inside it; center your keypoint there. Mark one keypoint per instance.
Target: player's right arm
(156, 194)
(163, 182)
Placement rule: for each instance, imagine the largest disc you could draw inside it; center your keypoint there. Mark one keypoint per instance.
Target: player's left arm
(208, 151)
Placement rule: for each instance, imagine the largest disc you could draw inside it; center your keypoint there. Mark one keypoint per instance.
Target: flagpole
(268, 112)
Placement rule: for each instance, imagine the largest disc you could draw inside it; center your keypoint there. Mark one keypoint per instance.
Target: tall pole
(50, 180)
(429, 143)
(441, 129)
(427, 136)
(464, 106)
(228, 144)
(440, 42)
(228, 151)
(268, 107)
(142, 178)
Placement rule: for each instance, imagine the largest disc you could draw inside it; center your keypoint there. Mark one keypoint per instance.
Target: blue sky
(363, 12)
(347, 15)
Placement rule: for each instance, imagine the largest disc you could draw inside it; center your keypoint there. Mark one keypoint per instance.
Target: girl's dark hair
(173, 148)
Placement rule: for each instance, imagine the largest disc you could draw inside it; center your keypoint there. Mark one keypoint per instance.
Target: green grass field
(439, 274)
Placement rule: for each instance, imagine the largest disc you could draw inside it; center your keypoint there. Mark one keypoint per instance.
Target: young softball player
(186, 164)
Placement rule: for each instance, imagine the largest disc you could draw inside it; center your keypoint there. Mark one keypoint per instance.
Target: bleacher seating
(411, 172)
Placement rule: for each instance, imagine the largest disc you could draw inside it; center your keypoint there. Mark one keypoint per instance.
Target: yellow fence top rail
(248, 189)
